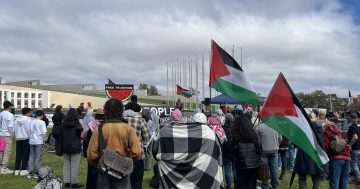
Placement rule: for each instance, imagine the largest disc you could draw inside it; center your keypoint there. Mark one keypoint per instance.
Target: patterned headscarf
(215, 125)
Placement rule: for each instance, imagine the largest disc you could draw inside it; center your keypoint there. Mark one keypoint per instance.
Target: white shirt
(22, 127)
(6, 123)
(37, 132)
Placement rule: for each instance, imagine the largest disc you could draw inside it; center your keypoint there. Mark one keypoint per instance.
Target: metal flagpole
(209, 74)
(175, 80)
(203, 77)
(233, 51)
(241, 56)
(190, 84)
(197, 80)
(167, 83)
(172, 79)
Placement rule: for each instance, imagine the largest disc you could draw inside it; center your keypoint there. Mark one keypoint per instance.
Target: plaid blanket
(189, 156)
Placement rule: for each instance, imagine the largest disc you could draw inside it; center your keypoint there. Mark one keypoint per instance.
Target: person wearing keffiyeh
(133, 117)
(189, 155)
(215, 125)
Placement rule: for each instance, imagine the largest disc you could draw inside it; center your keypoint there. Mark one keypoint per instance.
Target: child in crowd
(37, 137)
(22, 129)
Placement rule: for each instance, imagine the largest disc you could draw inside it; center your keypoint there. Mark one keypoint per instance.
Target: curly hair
(113, 109)
(71, 118)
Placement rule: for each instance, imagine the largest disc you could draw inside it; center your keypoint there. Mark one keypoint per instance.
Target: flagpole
(209, 74)
(203, 76)
(331, 108)
(241, 58)
(172, 80)
(167, 83)
(197, 80)
(233, 51)
(190, 80)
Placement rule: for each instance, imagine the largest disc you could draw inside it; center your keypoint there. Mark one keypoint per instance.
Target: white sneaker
(29, 176)
(24, 172)
(35, 177)
(17, 172)
(5, 171)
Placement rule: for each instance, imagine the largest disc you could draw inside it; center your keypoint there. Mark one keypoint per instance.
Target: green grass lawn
(56, 162)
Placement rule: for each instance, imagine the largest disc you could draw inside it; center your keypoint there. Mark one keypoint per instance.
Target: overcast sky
(86, 41)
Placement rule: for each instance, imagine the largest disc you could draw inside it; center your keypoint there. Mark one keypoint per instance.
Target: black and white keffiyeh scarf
(189, 156)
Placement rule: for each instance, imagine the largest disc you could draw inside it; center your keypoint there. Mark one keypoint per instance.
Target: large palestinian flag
(283, 112)
(227, 77)
(183, 92)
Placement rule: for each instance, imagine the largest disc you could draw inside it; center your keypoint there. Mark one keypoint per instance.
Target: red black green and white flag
(183, 92)
(283, 112)
(227, 77)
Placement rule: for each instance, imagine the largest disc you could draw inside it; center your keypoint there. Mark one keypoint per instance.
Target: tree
(153, 91)
(143, 86)
(318, 99)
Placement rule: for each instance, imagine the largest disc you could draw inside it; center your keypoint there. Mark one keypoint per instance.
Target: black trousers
(136, 177)
(22, 154)
(92, 175)
(246, 178)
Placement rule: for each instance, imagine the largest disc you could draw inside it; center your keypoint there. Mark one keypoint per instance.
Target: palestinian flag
(183, 92)
(283, 112)
(227, 77)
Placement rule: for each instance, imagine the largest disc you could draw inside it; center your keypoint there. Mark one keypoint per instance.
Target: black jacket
(304, 164)
(71, 141)
(58, 118)
(245, 154)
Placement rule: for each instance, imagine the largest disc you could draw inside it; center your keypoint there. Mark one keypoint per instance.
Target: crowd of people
(216, 150)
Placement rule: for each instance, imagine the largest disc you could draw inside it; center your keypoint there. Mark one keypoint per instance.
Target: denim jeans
(136, 177)
(272, 160)
(107, 182)
(339, 174)
(292, 156)
(228, 165)
(354, 164)
(282, 159)
(35, 158)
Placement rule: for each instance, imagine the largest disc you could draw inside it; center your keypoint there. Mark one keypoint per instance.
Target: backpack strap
(101, 139)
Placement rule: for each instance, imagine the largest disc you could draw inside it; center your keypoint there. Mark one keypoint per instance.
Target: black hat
(7, 104)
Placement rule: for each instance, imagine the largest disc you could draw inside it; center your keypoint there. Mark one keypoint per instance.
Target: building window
(39, 95)
(12, 94)
(18, 95)
(26, 95)
(32, 95)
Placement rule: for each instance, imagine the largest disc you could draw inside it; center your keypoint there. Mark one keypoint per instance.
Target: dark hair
(7, 104)
(113, 109)
(243, 131)
(58, 108)
(25, 111)
(71, 118)
(133, 106)
(39, 113)
(133, 98)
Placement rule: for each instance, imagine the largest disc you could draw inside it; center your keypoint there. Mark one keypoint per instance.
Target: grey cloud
(131, 41)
